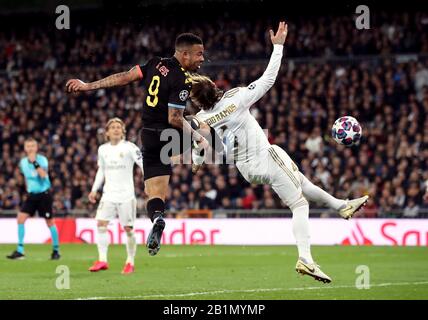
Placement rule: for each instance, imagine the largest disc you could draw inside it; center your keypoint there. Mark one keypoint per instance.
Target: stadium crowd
(388, 97)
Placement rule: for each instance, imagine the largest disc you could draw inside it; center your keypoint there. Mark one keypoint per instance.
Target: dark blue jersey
(167, 86)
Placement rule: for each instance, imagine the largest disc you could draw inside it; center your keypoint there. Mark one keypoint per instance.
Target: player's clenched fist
(76, 85)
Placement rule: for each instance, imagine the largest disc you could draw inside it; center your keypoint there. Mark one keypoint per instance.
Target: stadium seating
(386, 91)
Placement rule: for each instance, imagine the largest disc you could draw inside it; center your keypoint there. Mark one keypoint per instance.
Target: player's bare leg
(346, 208)
(131, 248)
(156, 188)
(102, 244)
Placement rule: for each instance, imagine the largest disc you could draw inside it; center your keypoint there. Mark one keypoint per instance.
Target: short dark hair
(187, 39)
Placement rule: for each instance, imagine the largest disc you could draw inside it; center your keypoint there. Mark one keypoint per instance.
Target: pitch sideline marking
(190, 294)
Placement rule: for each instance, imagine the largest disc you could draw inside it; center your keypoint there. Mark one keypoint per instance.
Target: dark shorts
(40, 202)
(157, 153)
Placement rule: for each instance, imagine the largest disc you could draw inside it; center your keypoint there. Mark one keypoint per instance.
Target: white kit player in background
(116, 160)
(257, 160)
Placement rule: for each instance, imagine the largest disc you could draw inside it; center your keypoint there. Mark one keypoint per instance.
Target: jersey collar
(119, 143)
(175, 60)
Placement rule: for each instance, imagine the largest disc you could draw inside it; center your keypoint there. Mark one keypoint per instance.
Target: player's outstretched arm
(280, 35)
(115, 80)
(258, 88)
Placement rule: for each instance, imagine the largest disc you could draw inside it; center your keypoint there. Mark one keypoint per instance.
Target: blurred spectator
(411, 210)
(370, 210)
(249, 199)
(205, 202)
(314, 142)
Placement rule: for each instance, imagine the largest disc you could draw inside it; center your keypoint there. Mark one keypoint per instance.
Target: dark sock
(155, 208)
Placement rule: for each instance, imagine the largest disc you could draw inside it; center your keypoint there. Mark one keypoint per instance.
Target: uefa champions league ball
(347, 131)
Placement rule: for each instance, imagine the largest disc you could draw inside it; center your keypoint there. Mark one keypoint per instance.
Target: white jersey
(116, 170)
(231, 117)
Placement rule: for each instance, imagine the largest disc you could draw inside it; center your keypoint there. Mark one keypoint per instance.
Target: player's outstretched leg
(155, 210)
(346, 208)
(352, 206)
(318, 195)
(102, 244)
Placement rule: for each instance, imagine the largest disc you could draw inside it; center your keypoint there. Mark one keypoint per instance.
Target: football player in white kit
(259, 161)
(116, 160)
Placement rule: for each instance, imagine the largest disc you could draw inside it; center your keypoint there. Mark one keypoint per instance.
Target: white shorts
(126, 211)
(274, 167)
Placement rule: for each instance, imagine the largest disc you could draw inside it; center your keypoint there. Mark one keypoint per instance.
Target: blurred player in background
(116, 160)
(259, 161)
(34, 167)
(168, 87)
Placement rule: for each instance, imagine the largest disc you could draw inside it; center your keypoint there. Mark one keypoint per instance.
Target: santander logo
(248, 231)
(397, 232)
(357, 237)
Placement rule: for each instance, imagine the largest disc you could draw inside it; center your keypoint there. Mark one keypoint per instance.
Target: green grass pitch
(216, 272)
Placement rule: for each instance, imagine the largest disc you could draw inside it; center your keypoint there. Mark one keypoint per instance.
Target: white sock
(318, 195)
(131, 247)
(300, 223)
(102, 243)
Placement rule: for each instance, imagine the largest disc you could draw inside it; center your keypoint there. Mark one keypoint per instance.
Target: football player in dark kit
(168, 87)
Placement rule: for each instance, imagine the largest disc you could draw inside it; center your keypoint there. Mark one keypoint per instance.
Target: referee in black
(34, 167)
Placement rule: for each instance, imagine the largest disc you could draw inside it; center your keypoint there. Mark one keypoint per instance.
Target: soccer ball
(347, 131)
